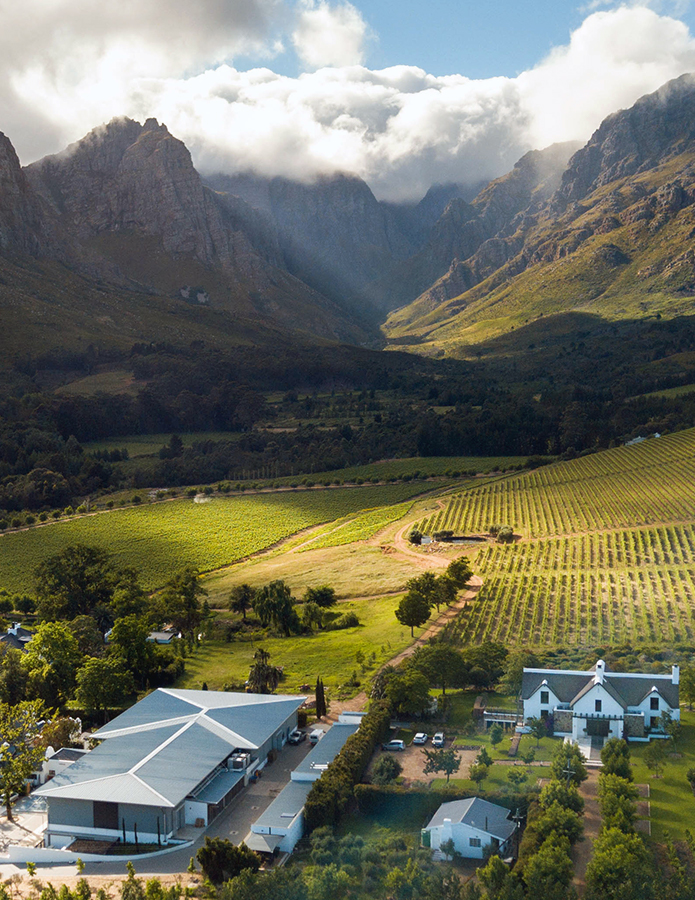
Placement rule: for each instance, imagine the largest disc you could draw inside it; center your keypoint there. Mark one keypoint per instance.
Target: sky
(403, 94)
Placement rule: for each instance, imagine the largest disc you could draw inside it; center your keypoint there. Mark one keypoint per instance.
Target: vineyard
(607, 552)
(607, 588)
(359, 528)
(161, 537)
(644, 484)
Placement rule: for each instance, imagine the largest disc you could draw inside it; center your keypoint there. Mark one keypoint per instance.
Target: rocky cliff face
(658, 126)
(25, 226)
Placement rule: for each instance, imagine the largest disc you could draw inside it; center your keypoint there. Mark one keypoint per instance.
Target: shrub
(43, 516)
(330, 795)
(136, 498)
(81, 508)
(30, 520)
(386, 770)
(219, 858)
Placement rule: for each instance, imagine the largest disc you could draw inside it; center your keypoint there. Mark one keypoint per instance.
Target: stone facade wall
(634, 726)
(562, 721)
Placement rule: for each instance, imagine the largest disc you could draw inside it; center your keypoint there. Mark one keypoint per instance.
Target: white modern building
(475, 826)
(601, 704)
(175, 758)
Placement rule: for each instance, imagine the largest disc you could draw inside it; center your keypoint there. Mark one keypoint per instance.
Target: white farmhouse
(476, 827)
(598, 704)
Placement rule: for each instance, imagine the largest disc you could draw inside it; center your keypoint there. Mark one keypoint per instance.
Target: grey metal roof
(628, 689)
(285, 807)
(158, 754)
(330, 745)
(68, 753)
(220, 786)
(263, 843)
(480, 814)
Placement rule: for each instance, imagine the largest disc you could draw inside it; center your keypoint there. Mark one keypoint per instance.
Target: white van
(316, 735)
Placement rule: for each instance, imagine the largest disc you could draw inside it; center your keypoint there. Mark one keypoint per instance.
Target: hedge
(330, 795)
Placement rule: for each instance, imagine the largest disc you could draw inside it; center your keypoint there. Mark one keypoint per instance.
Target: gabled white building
(475, 826)
(601, 704)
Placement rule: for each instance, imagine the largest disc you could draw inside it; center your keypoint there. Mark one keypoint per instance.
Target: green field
(330, 654)
(158, 538)
(139, 445)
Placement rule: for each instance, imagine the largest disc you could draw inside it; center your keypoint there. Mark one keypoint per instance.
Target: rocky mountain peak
(631, 141)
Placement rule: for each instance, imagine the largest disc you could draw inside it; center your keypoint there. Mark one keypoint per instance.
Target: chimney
(675, 675)
(600, 672)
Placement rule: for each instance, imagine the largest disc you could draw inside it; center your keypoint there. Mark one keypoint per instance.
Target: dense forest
(348, 406)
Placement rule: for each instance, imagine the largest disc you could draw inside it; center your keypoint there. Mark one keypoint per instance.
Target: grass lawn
(672, 801)
(354, 570)
(496, 781)
(329, 654)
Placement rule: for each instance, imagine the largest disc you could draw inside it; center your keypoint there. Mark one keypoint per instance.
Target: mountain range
(118, 239)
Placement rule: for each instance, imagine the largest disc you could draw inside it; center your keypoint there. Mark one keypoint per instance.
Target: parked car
(394, 745)
(420, 738)
(438, 739)
(296, 736)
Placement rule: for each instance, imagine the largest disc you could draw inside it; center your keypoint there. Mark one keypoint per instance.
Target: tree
(655, 757)
(445, 591)
(620, 868)
(129, 597)
(63, 731)
(486, 663)
(386, 770)
(440, 664)
(413, 610)
(407, 691)
(321, 708)
(415, 536)
(447, 761)
(483, 757)
(312, 615)
(687, 685)
(13, 676)
(128, 642)
(478, 773)
(494, 875)
(323, 596)
(459, 570)
(549, 872)
(180, 601)
(514, 670)
(221, 859)
(538, 729)
(241, 599)
(558, 820)
(51, 661)
(74, 582)
(568, 764)
(670, 726)
(20, 751)
(426, 585)
(516, 776)
(102, 683)
(566, 795)
(615, 756)
(90, 640)
(263, 678)
(496, 734)
(274, 604)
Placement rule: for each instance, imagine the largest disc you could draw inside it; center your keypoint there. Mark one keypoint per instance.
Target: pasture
(159, 538)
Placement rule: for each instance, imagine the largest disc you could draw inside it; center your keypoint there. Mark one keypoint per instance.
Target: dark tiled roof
(628, 690)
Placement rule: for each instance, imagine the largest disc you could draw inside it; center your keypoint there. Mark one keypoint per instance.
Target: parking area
(412, 759)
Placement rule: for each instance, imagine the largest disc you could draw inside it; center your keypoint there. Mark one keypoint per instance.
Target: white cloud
(329, 35)
(399, 128)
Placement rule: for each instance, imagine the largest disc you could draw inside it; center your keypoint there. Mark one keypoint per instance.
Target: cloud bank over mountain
(65, 70)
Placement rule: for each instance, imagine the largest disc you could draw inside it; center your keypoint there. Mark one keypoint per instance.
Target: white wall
(461, 835)
(196, 810)
(533, 706)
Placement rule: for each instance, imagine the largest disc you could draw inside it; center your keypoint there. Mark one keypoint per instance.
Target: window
(597, 706)
(653, 703)
(475, 842)
(545, 698)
